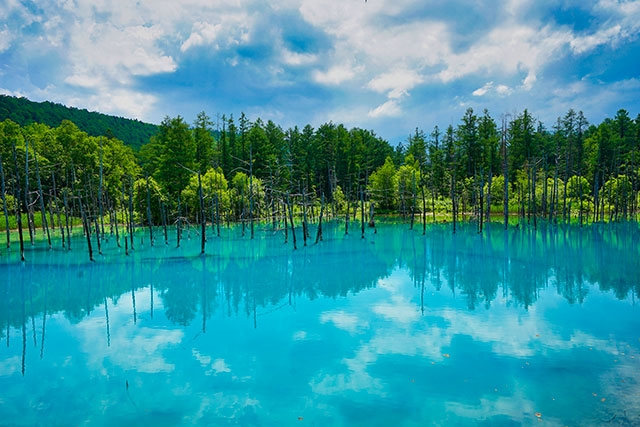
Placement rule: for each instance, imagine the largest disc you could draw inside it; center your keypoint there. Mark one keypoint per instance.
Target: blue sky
(389, 66)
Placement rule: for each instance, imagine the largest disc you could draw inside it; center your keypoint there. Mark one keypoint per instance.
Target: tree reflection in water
(241, 276)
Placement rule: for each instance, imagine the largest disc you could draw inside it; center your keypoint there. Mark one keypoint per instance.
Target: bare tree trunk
(346, 218)
(203, 220)
(87, 230)
(293, 230)
(424, 209)
(17, 201)
(45, 226)
(453, 202)
(217, 214)
(4, 204)
(286, 223)
(319, 234)
(149, 221)
(251, 189)
(27, 196)
(481, 209)
(413, 202)
(100, 194)
(488, 198)
(305, 229)
(55, 197)
(66, 217)
(433, 201)
(362, 210)
(179, 223)
(131, 220)
(505, 174)
(114, 218)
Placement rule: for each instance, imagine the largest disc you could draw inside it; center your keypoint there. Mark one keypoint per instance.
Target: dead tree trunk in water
(149, 220)
(286, 223)
(319, 234)
(4, 204)
(179, 223)
(505, 174)
(305, 225)
(66, 217)
(27, 196)
(55, 197)
(91, 199)
(372, 222)
(453, 203)
(481, 201)
(100, 195)
(131, 221)
(413, 201)
(45, 226)
(87, 230)
(163, 214)
(424, 205)
(17, 201)
(362, 212)
(217, 215)
(346, 218)
(293, 230)
(126, 221)
(203, 220)
(114, 217)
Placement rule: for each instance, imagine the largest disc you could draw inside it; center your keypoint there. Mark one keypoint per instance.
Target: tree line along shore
(241, 171)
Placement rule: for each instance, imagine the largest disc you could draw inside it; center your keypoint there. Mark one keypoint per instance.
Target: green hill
(133, 133)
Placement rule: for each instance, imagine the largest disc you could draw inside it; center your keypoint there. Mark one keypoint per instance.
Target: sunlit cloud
(490, 88)
(388, 109)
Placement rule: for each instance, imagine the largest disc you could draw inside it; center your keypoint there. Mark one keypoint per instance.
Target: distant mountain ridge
(23, 111)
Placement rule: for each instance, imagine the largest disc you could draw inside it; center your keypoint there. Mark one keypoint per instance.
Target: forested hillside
(249, 172)
(23, 112)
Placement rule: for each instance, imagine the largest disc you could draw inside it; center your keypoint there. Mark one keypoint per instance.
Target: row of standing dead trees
(101, 218)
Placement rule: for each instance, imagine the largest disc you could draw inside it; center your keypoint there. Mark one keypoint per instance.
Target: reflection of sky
(371, 357)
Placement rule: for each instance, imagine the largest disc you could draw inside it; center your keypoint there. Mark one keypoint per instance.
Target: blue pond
(516, 327)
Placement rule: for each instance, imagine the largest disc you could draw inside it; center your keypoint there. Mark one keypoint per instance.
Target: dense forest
(24, 112)
(255, 172)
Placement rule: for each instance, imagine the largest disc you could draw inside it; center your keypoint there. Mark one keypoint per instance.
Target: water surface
(516, 327)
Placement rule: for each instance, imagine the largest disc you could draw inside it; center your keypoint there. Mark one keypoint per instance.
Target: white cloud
(133, 347)
(295, 58)
(6, 38)
(335, 75)
(398, 83)
(623, 24)
(591, 41)
(342, 320)
(490, 88)
(503, 90)
(509, 331)
(202, 33)
(483, 90)
(356, 378)
(300, 335)
(220, 366)
(136, 104)
(388, 109)
(229, 29)
(10, 366)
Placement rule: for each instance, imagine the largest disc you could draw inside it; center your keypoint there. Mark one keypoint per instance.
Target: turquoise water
(523, 327)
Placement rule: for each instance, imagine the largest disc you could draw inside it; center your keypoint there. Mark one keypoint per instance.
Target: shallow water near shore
(515, 327)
